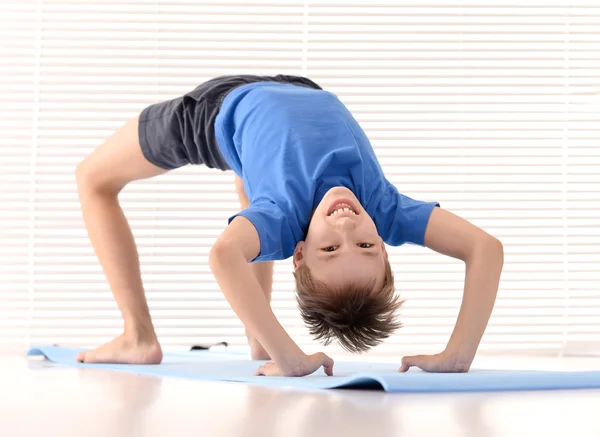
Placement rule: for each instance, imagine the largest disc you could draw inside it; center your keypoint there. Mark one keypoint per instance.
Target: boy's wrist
(460, 353)
(289, 356)
(292, 362)
(277, 342)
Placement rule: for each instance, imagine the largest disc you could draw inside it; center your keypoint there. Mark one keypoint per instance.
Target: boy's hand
(442, 363)
(308, 364)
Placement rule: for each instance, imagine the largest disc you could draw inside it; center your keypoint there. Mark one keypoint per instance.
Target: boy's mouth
(342, 208)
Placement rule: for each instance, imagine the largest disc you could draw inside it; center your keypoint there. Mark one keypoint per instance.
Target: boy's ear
(383, 248)
(299, 254)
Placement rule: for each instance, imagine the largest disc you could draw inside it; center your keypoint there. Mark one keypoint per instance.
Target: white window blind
(490, 108)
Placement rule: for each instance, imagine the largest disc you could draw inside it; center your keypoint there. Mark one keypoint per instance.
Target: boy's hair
(358, 315)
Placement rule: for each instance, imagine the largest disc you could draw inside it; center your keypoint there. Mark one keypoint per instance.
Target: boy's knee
(82, 174)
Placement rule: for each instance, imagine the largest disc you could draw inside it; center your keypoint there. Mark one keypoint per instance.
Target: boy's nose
(345, 224)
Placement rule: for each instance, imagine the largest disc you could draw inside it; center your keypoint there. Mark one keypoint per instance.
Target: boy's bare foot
(124, 350)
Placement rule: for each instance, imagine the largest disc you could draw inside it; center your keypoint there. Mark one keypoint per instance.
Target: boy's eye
(329, 249)
(365, 245)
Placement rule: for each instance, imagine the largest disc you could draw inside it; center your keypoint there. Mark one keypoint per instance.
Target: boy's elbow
(494, 248)
(497, 245)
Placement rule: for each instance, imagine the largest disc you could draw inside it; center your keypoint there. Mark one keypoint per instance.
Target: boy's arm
(228, 259)
(483, 255)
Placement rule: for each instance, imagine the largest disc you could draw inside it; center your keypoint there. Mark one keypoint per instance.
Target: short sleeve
(276, 237)
(401, 219)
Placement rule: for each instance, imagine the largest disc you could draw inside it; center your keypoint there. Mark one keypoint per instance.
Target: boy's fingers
(405, 365)
(327, 361)
(267, 369)
(408, 362)
(262, 370)
(327, 364)
(321, 359)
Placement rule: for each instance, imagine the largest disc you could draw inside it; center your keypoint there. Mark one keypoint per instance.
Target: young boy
(311, 188)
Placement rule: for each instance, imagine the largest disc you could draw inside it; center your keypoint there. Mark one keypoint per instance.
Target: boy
(312, 189)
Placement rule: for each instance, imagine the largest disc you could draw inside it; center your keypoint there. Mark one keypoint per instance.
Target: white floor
(38, 398)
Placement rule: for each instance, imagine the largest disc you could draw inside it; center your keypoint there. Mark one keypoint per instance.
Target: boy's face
(342, 244)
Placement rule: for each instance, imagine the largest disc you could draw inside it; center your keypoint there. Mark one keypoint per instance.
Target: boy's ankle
(138, 333)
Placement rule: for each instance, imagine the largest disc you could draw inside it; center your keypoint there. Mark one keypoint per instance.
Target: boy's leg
(100, 178)
(264, 274)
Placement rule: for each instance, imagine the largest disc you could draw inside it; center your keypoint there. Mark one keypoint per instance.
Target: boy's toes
(81, 357)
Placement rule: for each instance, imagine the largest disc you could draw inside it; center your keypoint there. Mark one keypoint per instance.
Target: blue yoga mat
(217, 366)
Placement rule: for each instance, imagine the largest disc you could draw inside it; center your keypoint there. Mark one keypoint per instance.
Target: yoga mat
(223, 366)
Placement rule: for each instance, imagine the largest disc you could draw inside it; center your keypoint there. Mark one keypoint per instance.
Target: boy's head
(345, 286)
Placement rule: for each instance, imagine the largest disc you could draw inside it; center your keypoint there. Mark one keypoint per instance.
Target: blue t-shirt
(290, 145)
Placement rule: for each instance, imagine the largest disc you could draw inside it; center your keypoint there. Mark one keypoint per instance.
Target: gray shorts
(181, 131)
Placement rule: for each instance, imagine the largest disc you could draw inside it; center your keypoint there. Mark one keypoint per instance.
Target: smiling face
(342, 244)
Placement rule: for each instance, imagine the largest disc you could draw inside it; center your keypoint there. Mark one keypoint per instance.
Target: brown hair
(358, 315)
